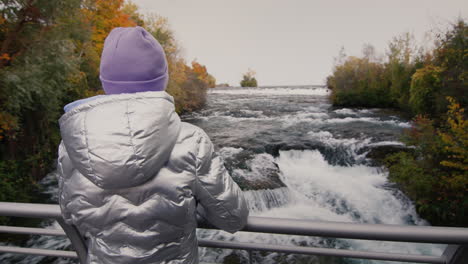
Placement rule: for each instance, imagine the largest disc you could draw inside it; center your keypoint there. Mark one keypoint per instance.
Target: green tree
(359, 82)
(40, 67)
(248, 79)
(451, 55)
(400, 68)
(425, 85)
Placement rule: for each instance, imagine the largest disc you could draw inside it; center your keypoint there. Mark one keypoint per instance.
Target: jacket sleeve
(223, 203)
(64, 171)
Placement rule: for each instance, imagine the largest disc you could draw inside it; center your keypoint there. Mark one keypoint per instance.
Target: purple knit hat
(132, 61)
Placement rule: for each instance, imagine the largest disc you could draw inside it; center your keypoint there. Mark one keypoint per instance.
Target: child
(131, 173)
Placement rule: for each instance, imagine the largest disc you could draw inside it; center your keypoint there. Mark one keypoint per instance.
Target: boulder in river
(252, 171)
(377, 154)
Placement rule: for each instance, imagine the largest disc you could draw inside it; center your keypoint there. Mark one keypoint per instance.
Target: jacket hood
(122, 140)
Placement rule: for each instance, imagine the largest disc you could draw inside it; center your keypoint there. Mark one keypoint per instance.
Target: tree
(369, 53)
(425, 85)
(451, 55)
(131, 9)
(105, 15)
(248, 79)
(49, 56)
(160, 29)
(40, 67)
(202, 74)
(188, 84)
(455, 137)
(359, 82)
(435, 173)
(340, 59)
(400, 68)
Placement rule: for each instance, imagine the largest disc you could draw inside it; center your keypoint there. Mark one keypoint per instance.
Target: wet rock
(333, 155)
(263, 178)
(378, 153)
(273, 149)
(253, 171)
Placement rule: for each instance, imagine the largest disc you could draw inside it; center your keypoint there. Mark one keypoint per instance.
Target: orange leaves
(104, 16)
(200, 71)
(202, 74)
(8, 125)
(5, 56)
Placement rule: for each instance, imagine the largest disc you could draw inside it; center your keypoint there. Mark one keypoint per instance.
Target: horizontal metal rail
(30, 210)
(424, 234)
(420, 234)
(321, 251)
(32, 231)
(39, 252)
(246, 246)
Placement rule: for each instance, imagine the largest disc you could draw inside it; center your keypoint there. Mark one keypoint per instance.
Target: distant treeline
(432, 87)
(49, 56)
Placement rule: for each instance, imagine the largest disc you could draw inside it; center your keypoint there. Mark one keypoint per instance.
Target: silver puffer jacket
(132, 175)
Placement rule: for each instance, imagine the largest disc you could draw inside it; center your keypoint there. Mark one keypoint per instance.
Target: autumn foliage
(435, 174)
(431, 86)
(49, 56)
(103, 16)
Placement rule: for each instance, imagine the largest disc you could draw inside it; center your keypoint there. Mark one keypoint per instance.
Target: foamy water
(317, 186)
(271, 91)
(318, 152)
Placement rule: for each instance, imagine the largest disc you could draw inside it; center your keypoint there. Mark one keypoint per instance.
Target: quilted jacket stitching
(198, 180)
(85, 134)
(130, 137)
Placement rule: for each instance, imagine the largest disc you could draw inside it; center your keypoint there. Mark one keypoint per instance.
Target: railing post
(76, 240)
(250, 256)
(456, 254)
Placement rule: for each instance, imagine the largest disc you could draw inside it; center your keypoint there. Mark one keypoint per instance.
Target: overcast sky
(292, 41)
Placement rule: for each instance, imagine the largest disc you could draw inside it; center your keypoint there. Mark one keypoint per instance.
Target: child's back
(132, 174)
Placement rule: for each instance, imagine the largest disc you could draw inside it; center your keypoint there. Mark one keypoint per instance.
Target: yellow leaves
(177, 70)
(76, 77)
(425, 83)
(90, 93)
(455, 165)
(455, 137)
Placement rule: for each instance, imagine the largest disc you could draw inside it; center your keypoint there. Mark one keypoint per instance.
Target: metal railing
(455, 253)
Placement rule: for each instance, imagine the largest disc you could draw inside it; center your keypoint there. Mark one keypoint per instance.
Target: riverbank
(430, 87)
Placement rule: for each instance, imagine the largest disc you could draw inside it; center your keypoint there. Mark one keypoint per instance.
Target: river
(295, 156)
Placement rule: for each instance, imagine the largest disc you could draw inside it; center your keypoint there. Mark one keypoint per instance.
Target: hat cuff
(118, 87)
